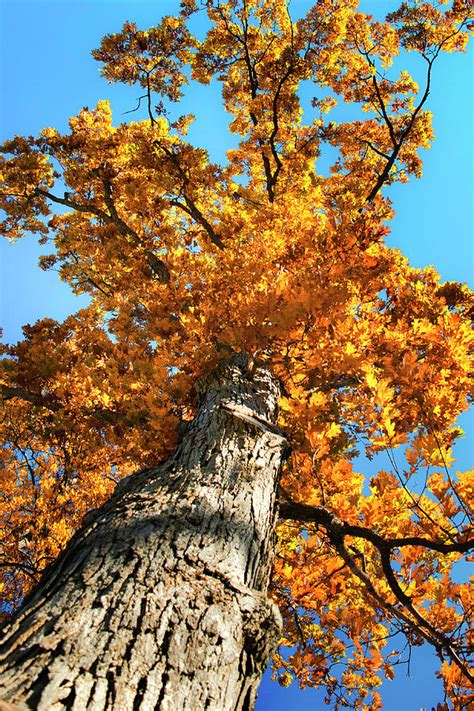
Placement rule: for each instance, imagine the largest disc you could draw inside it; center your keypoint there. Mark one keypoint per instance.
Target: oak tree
(179, 494)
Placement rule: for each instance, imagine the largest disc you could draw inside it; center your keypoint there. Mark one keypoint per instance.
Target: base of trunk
(160, 601)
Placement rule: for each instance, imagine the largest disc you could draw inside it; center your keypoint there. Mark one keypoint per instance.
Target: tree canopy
(186, 261)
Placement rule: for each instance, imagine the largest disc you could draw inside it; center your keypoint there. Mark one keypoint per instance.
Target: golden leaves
(152, 58)
(374, 356)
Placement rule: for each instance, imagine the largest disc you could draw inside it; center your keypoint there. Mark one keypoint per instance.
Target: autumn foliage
(186, 261)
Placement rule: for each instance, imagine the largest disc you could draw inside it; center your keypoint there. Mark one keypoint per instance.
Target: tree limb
(337, 530)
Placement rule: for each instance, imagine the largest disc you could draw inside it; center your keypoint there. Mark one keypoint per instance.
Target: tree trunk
(160, 600)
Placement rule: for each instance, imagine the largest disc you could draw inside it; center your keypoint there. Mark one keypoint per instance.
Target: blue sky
(47, 75)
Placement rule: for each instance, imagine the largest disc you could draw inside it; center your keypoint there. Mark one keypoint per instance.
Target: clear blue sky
(47, 75)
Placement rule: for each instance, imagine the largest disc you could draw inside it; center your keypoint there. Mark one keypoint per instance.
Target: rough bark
(159, 601)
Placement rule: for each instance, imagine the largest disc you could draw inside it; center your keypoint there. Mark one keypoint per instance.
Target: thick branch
(9, 393)
(158, 267)
(190, 207)
(253, 81)
(397, 143)
(193, 211)
(337, 530)
(318, 514)
(49, 401)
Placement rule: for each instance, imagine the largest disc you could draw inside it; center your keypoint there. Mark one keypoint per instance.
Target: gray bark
(160, 600)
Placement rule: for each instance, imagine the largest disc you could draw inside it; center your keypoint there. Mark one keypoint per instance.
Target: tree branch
(337, 530)
(102, 415)
(190, 207)
(319, 514)
(157, 265)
